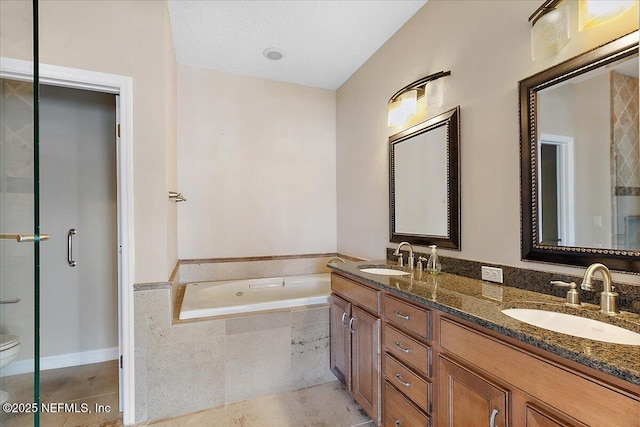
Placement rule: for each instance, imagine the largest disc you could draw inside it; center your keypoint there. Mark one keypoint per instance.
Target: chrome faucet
(399, 255)
(608, 298)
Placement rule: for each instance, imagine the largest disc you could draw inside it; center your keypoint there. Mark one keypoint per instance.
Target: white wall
(256, 161)
(593, 154)
(587, 103)
(487, 47)
(130, 38)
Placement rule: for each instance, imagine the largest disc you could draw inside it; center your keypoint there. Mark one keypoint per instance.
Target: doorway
(121, 86)
(79, 265)
(556, 192)
(78, 305)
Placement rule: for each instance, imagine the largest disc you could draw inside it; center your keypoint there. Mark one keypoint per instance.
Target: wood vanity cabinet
(407, 364)
(483, 378)
(444, 371)
(355, 341)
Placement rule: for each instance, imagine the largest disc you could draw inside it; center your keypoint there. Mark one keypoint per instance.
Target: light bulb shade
(550, 33)
(434, 93)
(401, 110)
(592, 13)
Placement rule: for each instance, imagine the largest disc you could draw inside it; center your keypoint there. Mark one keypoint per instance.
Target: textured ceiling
(324, 42)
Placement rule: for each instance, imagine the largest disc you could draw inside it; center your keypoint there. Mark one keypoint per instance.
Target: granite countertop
(481, 303)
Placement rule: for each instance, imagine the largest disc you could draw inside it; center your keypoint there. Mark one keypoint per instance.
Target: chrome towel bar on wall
(177, 197)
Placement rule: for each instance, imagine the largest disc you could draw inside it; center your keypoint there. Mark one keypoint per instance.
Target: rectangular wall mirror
(580, 159)
(424, 182)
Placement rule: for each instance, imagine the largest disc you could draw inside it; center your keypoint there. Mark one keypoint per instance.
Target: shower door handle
(24, 238)
(70, 260)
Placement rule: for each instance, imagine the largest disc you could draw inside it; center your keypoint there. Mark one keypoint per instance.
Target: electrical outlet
(492, 274)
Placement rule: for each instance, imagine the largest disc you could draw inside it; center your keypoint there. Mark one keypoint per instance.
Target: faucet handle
(571, 285)
(573, 297)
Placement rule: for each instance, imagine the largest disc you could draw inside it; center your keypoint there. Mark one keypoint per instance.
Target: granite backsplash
(536, 281)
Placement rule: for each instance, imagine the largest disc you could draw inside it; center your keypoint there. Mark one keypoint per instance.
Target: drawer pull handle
(399, 378)
(353, 331)
(406, 350)
(344, 324)
(492, 420)
(397, 423)
(402, 316)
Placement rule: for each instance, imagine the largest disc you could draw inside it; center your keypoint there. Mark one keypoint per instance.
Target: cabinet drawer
(362, 295)
(410, 384)
(407, 350)
(408, 316)
(398, 411)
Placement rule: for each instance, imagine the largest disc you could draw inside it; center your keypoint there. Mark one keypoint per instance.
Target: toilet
(9, 349)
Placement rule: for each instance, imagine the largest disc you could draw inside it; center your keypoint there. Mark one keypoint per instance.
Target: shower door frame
(123, 87)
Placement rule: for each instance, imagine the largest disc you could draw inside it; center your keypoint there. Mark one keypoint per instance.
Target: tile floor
(324, 405)
(95, 384)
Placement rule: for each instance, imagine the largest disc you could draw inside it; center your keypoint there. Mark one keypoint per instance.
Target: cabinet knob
(397, 423)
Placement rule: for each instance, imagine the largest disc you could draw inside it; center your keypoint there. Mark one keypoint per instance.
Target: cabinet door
(340, 359)
(467, 399)
(365, 348)
(529, 412)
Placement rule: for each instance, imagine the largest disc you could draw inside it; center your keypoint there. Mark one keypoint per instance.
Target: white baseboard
(61, 361)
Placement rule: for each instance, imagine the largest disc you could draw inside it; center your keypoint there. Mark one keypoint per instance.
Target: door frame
(121, 86)
(566, 186)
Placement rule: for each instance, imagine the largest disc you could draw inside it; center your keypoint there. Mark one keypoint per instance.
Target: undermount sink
(577, 326)
(384, 271)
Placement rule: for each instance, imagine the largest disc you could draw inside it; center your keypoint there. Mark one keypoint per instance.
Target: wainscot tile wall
(187, 366)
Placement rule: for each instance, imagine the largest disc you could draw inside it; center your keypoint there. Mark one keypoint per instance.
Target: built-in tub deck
(234, 297)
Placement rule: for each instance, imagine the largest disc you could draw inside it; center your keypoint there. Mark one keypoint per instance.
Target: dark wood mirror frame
(616, 259)
(451, 121)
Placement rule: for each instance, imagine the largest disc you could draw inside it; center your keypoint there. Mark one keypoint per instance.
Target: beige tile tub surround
(186, 367)
(194, 270)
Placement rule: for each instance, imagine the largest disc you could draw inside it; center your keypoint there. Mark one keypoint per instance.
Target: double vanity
(416, 349)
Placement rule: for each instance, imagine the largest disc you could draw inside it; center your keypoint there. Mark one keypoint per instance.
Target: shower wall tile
(624, 122)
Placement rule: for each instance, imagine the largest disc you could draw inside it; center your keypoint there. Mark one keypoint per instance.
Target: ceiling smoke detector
(273, 54)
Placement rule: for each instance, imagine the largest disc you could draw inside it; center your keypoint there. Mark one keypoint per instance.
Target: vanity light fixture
(592, 13)
(404, 103)
(550, 29)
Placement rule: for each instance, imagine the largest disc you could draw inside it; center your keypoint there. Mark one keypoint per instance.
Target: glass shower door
(20, 236)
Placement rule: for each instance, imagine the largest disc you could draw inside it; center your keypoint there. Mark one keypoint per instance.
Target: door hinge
(121, 364)
(118, 130)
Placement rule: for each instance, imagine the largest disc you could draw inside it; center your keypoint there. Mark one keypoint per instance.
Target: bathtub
(206, 299)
